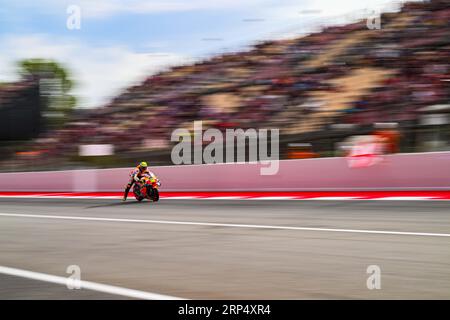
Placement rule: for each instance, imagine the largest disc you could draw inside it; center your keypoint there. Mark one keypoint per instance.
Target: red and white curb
(327, 195)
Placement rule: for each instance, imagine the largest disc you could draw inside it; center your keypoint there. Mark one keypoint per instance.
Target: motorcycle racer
(136, 175)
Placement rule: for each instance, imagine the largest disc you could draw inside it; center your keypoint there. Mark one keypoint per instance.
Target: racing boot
(127, 189)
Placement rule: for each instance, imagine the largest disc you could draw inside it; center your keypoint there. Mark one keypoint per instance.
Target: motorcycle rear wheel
(155, 196)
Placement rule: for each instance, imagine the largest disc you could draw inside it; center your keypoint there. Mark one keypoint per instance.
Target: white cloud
(107, 8)
(305, 16)
(100, 72)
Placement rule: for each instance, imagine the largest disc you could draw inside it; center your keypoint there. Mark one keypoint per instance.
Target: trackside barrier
(421, 171)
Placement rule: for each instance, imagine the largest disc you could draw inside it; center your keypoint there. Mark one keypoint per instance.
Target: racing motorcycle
(147, 188)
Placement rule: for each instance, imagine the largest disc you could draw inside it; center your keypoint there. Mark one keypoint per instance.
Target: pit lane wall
(421, 171)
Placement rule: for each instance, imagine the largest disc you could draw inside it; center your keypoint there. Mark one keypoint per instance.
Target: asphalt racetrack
(224, 249)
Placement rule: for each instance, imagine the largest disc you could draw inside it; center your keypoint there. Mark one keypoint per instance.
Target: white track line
(60, 197)
(404, 198)
(180, 197)
(275, 198)
(88, 285)
(230, 225)
(335, 198)
(221, 198)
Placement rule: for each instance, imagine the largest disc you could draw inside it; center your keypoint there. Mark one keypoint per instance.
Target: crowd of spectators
(344, 74)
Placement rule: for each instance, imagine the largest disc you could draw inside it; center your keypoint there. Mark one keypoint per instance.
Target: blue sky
(123, 41)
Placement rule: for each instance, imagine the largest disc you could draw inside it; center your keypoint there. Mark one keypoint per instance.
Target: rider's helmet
(143, 165)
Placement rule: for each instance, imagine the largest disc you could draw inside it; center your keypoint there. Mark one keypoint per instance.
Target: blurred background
(103, 84)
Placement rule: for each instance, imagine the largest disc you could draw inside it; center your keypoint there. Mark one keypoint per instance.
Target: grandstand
(341, 75)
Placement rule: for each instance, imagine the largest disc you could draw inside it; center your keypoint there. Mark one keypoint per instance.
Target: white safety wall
(424, 171)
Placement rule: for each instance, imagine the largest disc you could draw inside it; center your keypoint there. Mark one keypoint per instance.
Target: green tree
(55, 84)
